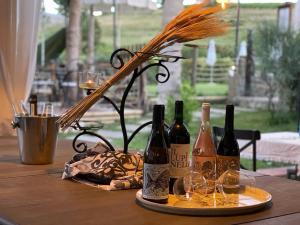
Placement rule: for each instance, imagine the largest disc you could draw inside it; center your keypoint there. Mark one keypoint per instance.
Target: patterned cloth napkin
(105, 169)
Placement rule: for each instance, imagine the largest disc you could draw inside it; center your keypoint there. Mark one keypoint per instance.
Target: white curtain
(19, 21)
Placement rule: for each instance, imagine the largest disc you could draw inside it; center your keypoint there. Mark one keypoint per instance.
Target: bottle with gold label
(204, 152)
(228, 153)
(179, 139)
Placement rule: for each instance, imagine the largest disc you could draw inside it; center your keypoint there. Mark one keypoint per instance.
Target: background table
(37, 195)
(278, 147)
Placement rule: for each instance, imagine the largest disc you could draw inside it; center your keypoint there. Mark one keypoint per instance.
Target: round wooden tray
(253, 199)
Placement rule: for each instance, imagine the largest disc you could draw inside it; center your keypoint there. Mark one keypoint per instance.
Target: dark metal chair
(251, 135)
(292, 172)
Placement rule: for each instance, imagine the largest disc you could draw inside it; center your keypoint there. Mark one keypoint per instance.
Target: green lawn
(261, 120)
(202, 89)
(262, 164)
(214, 89)
(152, 90)
(138, 143)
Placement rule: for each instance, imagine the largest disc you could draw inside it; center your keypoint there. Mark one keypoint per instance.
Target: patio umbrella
(211, 58)
(243, 49)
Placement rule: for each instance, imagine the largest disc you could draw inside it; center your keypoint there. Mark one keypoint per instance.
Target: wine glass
(233, 183)
(190, 187)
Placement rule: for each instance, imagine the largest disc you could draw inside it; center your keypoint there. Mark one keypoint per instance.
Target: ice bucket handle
(15, 123)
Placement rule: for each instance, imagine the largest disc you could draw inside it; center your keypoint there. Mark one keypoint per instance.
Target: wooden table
(32, 195)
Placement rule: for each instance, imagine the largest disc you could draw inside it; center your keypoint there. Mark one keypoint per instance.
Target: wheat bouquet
(195, 22)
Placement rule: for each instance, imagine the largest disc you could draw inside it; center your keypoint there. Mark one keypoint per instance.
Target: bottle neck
(33, 105)
(158, 118)
(229, 125)
(205, 115)
(178, 113)
(158, 126)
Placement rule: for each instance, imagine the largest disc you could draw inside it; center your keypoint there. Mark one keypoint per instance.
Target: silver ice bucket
(37, 136)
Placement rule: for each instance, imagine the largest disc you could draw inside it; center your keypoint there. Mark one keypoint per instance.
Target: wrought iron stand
(117, 57)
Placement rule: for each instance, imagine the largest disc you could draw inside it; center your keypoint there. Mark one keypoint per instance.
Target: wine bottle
(228, 154)
(156, 172)
(166, 133)
(33, 105)
(204, 151)
(179, 139)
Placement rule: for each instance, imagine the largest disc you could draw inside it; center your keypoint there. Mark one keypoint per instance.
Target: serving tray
(252, 199)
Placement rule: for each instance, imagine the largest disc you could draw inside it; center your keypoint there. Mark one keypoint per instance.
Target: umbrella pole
(211, 80)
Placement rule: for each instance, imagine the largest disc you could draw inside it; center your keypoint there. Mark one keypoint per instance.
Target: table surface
(35, 194)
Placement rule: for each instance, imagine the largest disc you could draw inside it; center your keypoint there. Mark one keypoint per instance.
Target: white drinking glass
(47, 109)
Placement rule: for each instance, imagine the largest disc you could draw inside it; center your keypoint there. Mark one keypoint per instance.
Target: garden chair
(292, 172)
(251, 135)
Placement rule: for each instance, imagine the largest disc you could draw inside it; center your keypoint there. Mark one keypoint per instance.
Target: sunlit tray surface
(253, 199)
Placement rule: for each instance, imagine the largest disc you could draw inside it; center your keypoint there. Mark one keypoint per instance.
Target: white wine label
(156, 181)
(206, 165)
(179, 160)
(227, 162)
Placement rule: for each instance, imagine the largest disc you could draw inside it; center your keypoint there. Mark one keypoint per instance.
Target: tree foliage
(278, 53)
(63, 6)
(190, 104)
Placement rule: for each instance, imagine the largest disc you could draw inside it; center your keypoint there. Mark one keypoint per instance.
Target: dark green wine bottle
(179, 139)
(228, 153)
(156, 161)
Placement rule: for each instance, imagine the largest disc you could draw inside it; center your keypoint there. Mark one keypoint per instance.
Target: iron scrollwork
(81, 147)
(117, 62)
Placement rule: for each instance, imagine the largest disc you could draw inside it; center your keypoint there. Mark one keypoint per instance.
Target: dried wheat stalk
(194, 22)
